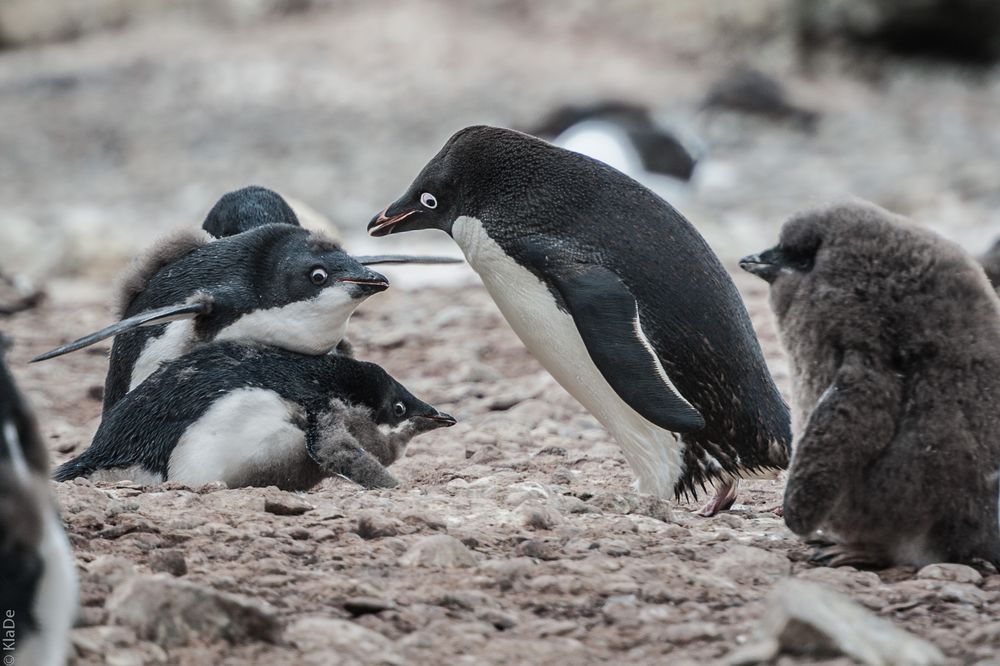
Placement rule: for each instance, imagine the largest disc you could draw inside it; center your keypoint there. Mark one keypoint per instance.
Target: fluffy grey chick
(894, 339)
(991, 264)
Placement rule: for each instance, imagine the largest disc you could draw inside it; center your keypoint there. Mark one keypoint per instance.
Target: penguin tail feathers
(71, 469)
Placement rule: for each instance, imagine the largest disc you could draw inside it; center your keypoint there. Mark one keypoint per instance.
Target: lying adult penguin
(618, 296)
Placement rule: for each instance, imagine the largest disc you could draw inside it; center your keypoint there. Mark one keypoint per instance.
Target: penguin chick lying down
(893, 334)
(254, 415)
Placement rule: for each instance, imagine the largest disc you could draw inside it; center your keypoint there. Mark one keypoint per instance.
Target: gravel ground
(556, 560)
(110, 139)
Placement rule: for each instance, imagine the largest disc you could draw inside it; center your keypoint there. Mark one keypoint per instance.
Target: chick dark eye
(429, 200)
(399, 409)
(318, 276)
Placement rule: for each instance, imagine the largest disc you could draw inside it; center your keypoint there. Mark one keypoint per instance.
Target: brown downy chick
(894, 339)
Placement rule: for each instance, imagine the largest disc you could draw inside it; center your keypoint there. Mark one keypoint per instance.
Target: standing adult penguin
(893, 334)
(38, 585)
(618, 296)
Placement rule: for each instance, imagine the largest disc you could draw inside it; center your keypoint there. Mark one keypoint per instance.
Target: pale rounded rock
(954, 573)
(438, 550)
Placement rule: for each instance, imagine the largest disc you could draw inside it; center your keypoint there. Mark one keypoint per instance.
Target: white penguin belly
(55, 599)
(314, 326)
(654, 454)
(246, 429)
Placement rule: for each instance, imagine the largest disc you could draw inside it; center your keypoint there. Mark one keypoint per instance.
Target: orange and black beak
(383, 223)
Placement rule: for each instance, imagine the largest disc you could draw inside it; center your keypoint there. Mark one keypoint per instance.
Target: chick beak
(440, 419)
(760, 266)
(367, 283)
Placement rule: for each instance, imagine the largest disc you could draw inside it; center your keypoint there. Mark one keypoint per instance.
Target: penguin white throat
(654, 454)
(314, 326)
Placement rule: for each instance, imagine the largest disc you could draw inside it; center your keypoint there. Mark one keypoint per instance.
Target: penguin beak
(765, 265)
(367, 283)
(382, 224)
(440, 419)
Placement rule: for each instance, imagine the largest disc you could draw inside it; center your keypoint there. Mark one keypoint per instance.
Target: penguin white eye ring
(318, 276)
(429, 200)
(399, 409)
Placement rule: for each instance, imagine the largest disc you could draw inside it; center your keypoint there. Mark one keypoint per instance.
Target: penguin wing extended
(369, 260)
(607, 317)
(147, 318)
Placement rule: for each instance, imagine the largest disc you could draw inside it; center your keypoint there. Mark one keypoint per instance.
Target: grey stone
(438, 550)
(809, 620)
(374, 525)
(340, 641)
(538, 516)
(747, 564)
(954, 573)
(175, 613)
(169, 561)
(286, 504)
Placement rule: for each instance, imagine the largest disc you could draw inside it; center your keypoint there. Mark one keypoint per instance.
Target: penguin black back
(248, 208)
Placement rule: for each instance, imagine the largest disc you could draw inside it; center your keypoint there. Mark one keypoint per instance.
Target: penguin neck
(476, 244)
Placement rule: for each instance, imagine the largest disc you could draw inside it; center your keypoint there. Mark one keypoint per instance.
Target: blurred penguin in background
(38, 587)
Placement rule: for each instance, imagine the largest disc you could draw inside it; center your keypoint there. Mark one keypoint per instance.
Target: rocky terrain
(514, 537)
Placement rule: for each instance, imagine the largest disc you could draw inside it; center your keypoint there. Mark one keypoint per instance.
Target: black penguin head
(296, 290)
(395, 412)
(248, 208)
(466, 177)
(391, 403)
(276, 284)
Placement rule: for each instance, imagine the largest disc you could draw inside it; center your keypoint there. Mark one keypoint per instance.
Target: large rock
(325, 640)
(808, 620)
(438, 550)
(966, 30)
(174, 613)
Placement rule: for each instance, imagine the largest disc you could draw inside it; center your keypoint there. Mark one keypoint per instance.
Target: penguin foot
(848, 555)
(724, 498)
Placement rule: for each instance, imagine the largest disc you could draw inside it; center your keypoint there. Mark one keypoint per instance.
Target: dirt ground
(570, 565)
(126, 131)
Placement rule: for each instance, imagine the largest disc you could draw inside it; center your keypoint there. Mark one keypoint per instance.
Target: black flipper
(404, 259)
(606, 314)
(147, 318)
